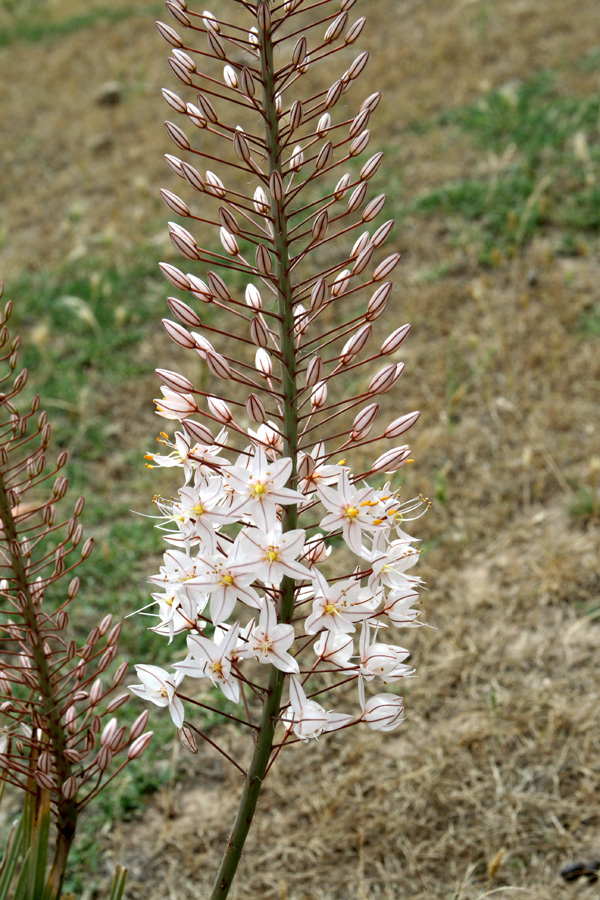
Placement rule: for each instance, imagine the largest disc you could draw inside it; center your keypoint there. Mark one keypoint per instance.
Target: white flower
(381, 660)
(313, 471)
(383, 712)
(307, 718)
(174, 405)
(338, 606)
(226, 582)
(212, 660)
(159, 687)
(268, 641)
(335, 648)
(258, 488)
(390, 567)
(351, 510)
(273, 554)
(398, 606)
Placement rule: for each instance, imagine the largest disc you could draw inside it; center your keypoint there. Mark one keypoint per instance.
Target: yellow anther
(352, 512)
(331, 610)
(272, 556)
(226, 579)
(341, 462)
(258, 490)
(377, 521)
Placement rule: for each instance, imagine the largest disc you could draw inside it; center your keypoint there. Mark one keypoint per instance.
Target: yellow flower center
(226, 579)
(272, 555)
(259, 489)
(352, 512)
(331, 610)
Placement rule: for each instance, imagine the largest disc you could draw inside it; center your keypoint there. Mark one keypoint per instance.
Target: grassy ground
(490, 121)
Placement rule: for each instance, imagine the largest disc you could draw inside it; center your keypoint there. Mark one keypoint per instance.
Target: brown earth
(492, 784)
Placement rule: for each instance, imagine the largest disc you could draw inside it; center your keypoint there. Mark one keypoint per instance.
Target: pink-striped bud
(229, 243)
(240, 145)
(323, 125)
(358, 65)
(296, 113)
(174, 164)
(384, 379)
(263, 260)
(44, 762)
(216, 44)
(382, 233)
(296, 159)
(139, 745)
(393, 340)
(360, 143)
(378, 301)
(173, 275)
(355, 344)
(180, 71)
(253, 298)
(400, 425)
(218, 365)
(370, 167)
(258, 332)
(340, 285)
(386, 267)
(325, 156)
(176, 10)
(372, 209)
(192, 176)
(336, 28)
(174, 380)
(199, 290)
(104, 759)
(355, 31)
(230, 77)
(178, 136)
(299, 51)
(96, 692)
(314, 371)
(70, 786)
(183, 241)
(183, 312)
(228, 220)
(320, 225)
(174, 100)
(169, 34)
(43, 780)
(220, 410)
(255, 408)
(247, 83)
(363, 260)
(214, 185)
(175, 203)
(318, 397)
(276, 186)
(363, 421)
(261, 204)
(341, 189)
(391, 460)
(218, 287)
(178, 334)
(333, 94)
(175, 405)
(139, 725)
(318, 295)
(199, 432)
(195, 116)
(359, 245)
(263, 363)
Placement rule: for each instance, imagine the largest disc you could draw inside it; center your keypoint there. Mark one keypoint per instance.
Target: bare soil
(492, 784)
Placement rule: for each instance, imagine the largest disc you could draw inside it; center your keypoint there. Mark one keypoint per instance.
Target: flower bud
(139, 745)
(400, 425)
(177, 135)
(169, 34)
(253, 298)
(325, 156)
(386, 267)
(360, 143)
(230, 77)
(220, 410)
(378, 301)
(372, 209)
(391, 460)
(314, 371)
(393, 340)
(258, 332)
(261, 204)
(355, 31)
(336, 28)
(318, 397)
(255, 408)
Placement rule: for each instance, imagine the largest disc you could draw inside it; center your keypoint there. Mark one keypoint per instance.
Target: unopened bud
(355, 31)
(378, 301)
(258, 332)
(400, 425)
(178, 136)
(391, 460)
(255, 408)
(261, 204)
(220, 410)
(372, 209)
(139, 725)
(325, 156)
(263, 363)
(318, 397)
(69, 788)
(253, 298)
(139, 745)
(173, 275)
(386, 267)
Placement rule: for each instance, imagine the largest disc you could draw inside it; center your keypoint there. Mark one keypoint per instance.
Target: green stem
(66, 820)
(272, 701)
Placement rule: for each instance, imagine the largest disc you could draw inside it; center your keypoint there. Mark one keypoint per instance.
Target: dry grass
(492, 784)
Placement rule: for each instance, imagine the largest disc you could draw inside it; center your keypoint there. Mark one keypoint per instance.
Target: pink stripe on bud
(139, 725)
(358, 65)
(255, 409)
(139, 745)
(318, 294)
(325, 156)
(355, 31)
(393, 340)
(253, 298)
(386, 267)
(174, 100)
(175, 203)
(174, 275)
(365, 417)
(183, 312)
(177, 135)
(220, 410)
(218, 365)
(314, 371)
(372, 209)
(258, 332)
(198, 432)
(169, 34)
(400, 425)
(218, 287)
(391, 460)
(382, 233)
(360, 143)
(178, 334)
(174, 380)
(378, 301)
(318, 398)
(363, 260)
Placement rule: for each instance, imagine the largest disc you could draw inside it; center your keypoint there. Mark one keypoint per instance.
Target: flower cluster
(220, 582)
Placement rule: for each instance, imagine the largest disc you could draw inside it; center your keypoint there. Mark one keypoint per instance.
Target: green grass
(31, 31)
(547, 175)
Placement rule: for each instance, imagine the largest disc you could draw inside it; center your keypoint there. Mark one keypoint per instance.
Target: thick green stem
(66, 820)
(272, 701)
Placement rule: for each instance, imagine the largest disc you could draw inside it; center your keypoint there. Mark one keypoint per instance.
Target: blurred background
(490, 121)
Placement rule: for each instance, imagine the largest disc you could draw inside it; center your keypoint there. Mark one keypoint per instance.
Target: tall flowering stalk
(285, 566)
(58, 732)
